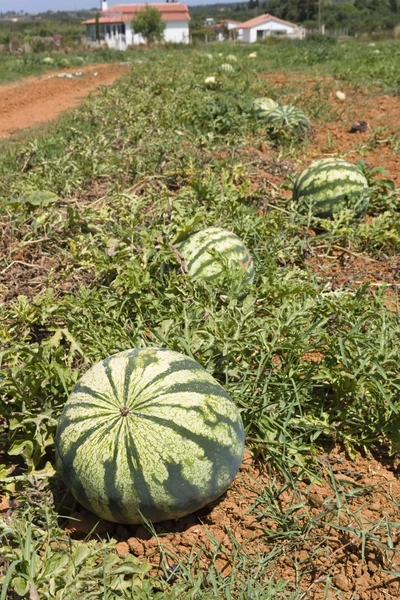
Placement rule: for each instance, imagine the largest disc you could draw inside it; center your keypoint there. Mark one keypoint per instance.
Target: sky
(37, 6)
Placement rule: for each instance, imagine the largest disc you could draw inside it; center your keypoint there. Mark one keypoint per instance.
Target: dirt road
(37, 100)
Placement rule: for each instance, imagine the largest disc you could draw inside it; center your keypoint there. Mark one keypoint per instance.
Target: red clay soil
(38, 100)
(341, 527)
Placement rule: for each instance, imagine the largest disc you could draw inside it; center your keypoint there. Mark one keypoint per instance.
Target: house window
(260, 34)
(91, 33)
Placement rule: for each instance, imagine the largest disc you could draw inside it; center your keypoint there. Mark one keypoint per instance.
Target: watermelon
(227, 68)
(148, 434)
(289, 117)
(263, 106)
(329, 185)
(210, 82)
(211, 253)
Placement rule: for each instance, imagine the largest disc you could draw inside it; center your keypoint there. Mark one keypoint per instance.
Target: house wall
(175, 31)
(269, 28)
(112, 35)
(132, 38)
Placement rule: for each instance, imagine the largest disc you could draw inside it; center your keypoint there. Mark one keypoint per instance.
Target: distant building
(227, 30)
(266, 25)
(116, 24)
(209, 21)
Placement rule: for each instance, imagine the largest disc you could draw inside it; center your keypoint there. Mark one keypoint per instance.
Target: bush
(320, 38)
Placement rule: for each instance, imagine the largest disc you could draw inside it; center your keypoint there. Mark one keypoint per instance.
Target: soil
(343, 518)
(40, 99)
(346, 541)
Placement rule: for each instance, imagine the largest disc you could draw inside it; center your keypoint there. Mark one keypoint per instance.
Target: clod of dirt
(359, 126)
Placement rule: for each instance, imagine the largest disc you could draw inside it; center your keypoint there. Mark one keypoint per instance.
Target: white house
(265, 25)
(116, 30)
(227, 29)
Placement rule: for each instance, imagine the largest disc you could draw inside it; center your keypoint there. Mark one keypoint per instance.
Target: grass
(14, 67)
(88, 212)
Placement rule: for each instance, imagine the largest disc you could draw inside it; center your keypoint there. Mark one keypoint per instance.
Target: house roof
(122, 13)
(261, 19)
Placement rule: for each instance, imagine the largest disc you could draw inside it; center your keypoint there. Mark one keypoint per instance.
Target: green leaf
(55, 565)
(41, 198)
(7, 578)
(188, 228)
(23, 448)
(20, 585)
(82, 552)
(55, 340)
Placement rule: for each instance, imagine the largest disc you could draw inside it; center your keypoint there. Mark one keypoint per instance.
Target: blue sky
(36, 6)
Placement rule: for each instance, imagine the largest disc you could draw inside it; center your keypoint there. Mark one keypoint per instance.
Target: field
(90, 210)
(14, 67)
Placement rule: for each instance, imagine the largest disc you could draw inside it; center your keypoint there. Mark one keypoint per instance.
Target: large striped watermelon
(329, 185)
(213, 252)
(290, 118)
(263, 106)
(148, 434)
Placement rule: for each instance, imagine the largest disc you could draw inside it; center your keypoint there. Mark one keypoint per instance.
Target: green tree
(148, 22)
(97, 28)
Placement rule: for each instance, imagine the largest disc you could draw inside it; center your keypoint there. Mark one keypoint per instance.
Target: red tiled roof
(122, 13)
(264, 19)
(163, 7)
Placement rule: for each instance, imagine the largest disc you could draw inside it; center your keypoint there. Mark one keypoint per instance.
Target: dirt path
(37, 100)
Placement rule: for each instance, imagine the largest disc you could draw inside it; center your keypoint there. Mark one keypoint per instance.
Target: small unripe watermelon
(211, 253)
(290, 118)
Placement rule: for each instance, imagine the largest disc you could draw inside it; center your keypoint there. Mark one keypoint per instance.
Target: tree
(149, 23)
(97, 28)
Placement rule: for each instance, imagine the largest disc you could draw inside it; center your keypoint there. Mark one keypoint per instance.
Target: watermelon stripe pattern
(148, 434)
(211, 252)
(227, 68)
(330, 185)
(289, 117)
(263, 106)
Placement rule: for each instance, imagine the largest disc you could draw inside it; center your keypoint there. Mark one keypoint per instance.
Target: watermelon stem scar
(124, 411)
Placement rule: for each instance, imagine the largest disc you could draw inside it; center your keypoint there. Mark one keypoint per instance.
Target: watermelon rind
(263, 106)
(227, 68)
(213, 253)
(147, 435)
(290, 118)
(330, 185)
